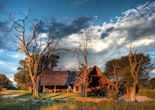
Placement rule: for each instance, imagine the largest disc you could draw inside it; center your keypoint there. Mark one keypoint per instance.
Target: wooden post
(74, 88)
(55, 89)
(30, 89)
(44, 88)
(80, 88)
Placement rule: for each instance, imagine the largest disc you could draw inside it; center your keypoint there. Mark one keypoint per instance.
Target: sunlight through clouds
(109, 39)
(113, 39)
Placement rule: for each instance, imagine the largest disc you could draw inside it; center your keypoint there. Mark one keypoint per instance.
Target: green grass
(102, 106)
(10, 104)
(14, 104)
(78, 106)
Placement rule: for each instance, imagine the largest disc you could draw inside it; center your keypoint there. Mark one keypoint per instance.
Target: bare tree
(82, 52)
(115, 77)
(32, 45)
(135, 67)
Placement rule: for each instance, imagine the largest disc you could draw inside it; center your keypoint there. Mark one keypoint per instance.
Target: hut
(71, 81)
(96, 80)
(57, 81)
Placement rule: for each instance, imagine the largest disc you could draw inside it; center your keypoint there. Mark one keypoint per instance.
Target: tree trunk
(35, 87)
(127, 86)
(127, 91)
(84, 90)
(117, 88)
(84, 85)
(133, 91)
(117, 91)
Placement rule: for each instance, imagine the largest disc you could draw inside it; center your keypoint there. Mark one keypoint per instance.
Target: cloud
(107, 31)
(108, 41)
(4, 39)
(112, 40)
(9, 61)
(11, 77)
(140, 29)
(3, 26)
(7, 67)
(137, 23)
(152, 74)
(61, 30)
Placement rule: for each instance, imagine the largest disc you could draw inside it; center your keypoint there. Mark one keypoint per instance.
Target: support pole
(55, 89)
(44, 88)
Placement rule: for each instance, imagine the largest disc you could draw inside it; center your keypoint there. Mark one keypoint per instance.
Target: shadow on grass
(11, 104)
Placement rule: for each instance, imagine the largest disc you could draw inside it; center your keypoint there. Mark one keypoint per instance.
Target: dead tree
(115, 77)
(135, 67)
(33, 47)
(82, 52)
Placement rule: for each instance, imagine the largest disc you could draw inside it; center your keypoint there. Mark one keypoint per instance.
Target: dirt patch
(95, 100)
(10, 96)
(138, 98)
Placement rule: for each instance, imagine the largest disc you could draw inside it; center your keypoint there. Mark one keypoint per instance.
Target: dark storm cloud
(42, 27)
(106, 32)
(61, 29)
(104, 35)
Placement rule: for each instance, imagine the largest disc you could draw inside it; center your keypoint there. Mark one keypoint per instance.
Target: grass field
(13, 104)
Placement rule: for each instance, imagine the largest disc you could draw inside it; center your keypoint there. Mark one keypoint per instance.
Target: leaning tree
(135, 66)
(37, 49)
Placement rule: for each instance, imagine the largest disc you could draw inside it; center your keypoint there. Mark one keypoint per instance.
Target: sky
(113, 27)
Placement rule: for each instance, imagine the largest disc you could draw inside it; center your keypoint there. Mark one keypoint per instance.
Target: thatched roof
(95, 72)
(62, 78)
(103, 79)
(58, 78)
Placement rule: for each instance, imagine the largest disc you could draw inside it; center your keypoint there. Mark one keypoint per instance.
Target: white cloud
(119, 35)
(7, 67)
(152, 74)
(43, 35)
(142, 42)
(10, 76)
(9, 61)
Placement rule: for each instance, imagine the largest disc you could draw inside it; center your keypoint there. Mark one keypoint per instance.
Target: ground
(21, 100)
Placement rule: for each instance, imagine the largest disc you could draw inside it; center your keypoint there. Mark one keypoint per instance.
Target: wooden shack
(57, 81)
(69, 81)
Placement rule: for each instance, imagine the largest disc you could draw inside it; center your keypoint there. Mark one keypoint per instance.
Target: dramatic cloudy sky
(112, 26)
